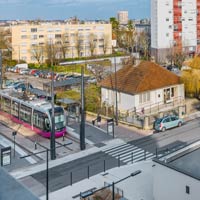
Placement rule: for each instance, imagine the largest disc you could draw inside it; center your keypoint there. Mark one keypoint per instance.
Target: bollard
(88, 171)
(35, 145)
(118, 160)
(63, 136)
(156, 152)
(132, 157)
(71, 178)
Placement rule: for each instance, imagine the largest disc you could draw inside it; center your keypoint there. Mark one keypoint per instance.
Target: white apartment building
(30, 42)
(174, 24)
(122, 17)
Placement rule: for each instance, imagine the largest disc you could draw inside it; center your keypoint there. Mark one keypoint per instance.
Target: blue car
(162, 124)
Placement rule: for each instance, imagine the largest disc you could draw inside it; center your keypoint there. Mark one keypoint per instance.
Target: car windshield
(158, 121)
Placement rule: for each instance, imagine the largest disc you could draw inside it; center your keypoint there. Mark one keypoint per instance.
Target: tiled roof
(143, 77)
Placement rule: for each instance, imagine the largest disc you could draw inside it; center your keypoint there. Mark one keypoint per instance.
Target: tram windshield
(59, 118)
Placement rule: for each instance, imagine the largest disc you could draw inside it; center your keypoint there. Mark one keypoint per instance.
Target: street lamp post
(14, 133)
(1, 70)
(82, 125)
(52, 142)
(116, 104)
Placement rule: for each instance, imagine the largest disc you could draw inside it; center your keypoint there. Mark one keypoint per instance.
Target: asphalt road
(94, 164)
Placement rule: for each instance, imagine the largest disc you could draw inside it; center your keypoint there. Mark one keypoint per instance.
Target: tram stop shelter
(39, 93)
(11, 189)
(62, 85)
(71, 106)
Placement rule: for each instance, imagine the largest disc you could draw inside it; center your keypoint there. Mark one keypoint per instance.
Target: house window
(144, 97)
(172, 92)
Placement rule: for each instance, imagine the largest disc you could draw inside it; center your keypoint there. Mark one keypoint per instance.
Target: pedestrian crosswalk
(128, 153)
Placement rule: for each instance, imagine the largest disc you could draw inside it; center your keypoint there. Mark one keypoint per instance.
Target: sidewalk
(122, 131)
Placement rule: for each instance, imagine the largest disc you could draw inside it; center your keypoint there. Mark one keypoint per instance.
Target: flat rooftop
(186, 162)
(10, 189)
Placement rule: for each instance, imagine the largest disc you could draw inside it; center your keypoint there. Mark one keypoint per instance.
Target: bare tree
(144, 43)
(37, 51)
(64, 44)
(52, 50)
(98, 71)
(78, 43)
(105, 43)
(92, 43)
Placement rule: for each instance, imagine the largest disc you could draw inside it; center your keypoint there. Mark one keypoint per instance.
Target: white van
(18, 67)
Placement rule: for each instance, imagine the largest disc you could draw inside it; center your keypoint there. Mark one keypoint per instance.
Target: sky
(64, 9)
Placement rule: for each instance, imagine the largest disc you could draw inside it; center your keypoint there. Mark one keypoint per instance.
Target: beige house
(31, 42)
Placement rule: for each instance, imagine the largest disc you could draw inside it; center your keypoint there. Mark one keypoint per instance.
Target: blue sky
(63, 9)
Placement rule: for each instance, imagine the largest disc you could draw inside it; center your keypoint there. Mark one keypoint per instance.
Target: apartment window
(40, 30)
(23, 44)
(41, 36)
(23, 36)
(41, 43)
(51, 36)
(57, 35)
(24, 58)
(58, 42)
(34, 44)
(167, 34)
(58, 30)
(170, 26)
(33, 30)
(34, 37)
(190, 19)
(50, 30)
(23, 30)
(167, 19)
(23, 51)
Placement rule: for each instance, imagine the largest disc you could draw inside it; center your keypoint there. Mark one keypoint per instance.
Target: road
(132, 151)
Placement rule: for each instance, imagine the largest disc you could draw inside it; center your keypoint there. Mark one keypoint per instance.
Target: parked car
(24, 71)
(167, 122)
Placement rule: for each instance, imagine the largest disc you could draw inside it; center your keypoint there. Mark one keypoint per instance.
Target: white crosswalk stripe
(128, 153)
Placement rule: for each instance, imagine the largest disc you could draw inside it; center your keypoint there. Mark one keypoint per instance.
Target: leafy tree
(92, 94)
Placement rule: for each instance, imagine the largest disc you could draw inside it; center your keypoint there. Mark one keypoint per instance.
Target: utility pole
(1, 70)
(116, 104)
(82, 125)
(52, 145)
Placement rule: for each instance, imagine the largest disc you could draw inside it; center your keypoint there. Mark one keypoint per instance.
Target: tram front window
(59, 118)
(59, 121)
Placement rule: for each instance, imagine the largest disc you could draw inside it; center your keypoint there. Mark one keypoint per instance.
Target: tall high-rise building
(175, 24)
(122, 17)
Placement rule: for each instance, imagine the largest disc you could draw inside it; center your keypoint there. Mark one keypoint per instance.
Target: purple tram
(32, 112)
